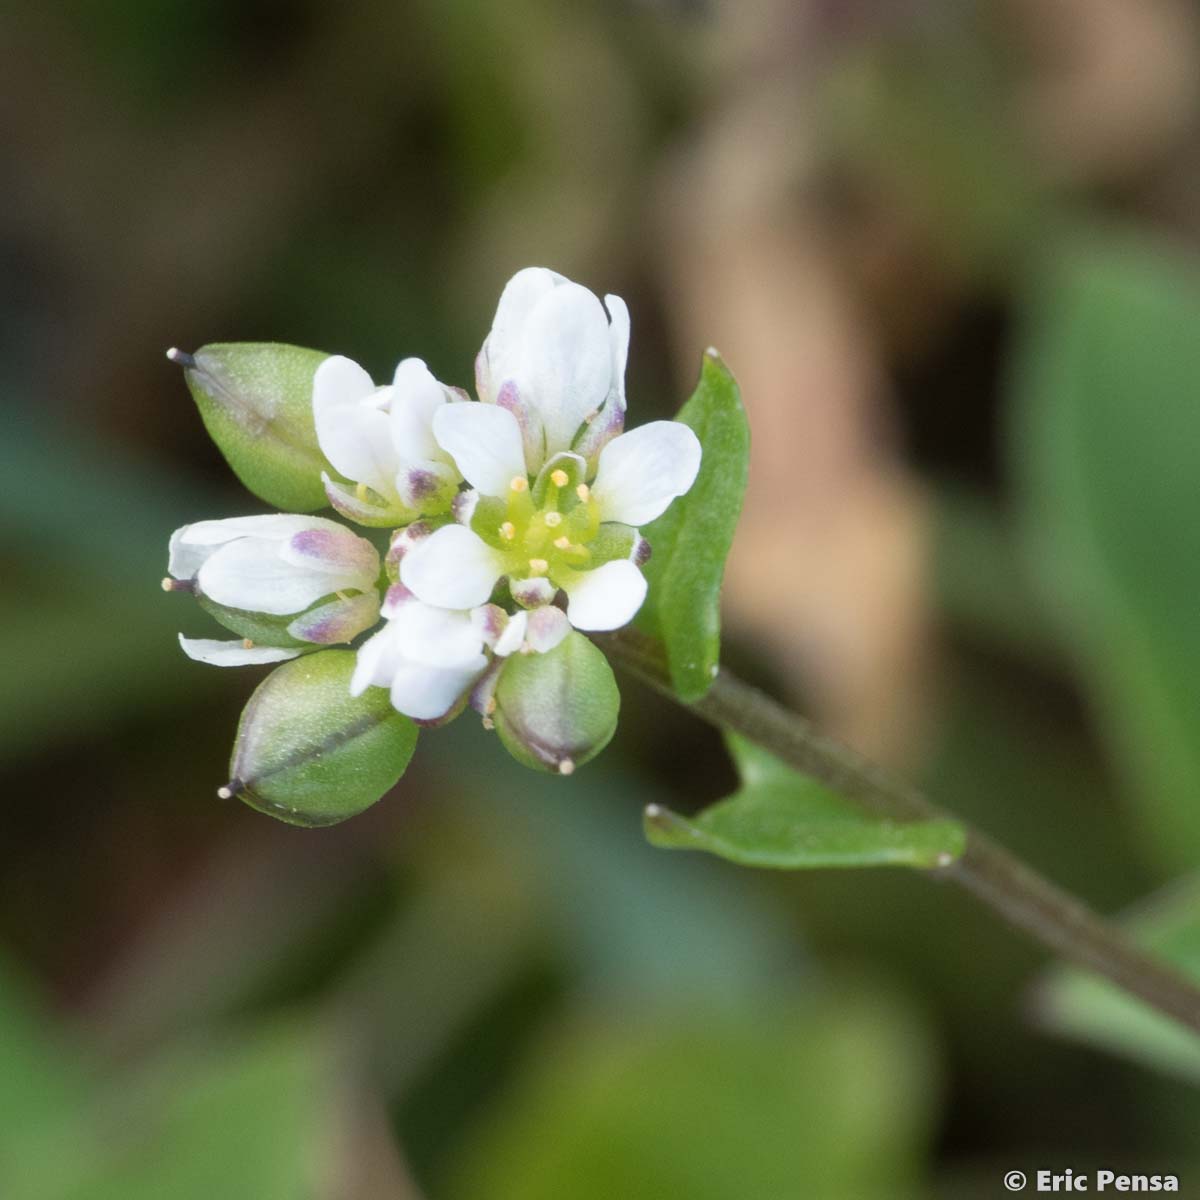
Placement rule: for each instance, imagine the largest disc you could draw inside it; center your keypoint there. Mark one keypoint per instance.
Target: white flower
(551, 374)
(276, 566)
(555, 360)
(430, 657)
(381, 439)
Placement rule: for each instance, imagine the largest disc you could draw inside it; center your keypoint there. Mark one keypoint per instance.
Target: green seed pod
(309, 753)
(255, 399)
(557, 710)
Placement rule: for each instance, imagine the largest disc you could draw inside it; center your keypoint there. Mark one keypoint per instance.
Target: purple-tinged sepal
(338, 621)
(364, 506)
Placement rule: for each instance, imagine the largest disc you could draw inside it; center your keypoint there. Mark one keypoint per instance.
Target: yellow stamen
(553, 518)
(559, 478)
(563, 543)
(519, 483)
(168, 584)
(508, 531)
(583, 491)
(490, 706)
(538, 566)
(360, 491)
(247, 644)
(566, 767)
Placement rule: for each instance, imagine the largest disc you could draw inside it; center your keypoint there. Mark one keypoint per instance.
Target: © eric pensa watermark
(1099, 1181)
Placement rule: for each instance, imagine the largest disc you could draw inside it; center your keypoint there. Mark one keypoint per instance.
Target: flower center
(551, 539)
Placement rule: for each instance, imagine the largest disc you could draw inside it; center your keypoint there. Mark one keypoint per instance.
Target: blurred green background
(949, 249)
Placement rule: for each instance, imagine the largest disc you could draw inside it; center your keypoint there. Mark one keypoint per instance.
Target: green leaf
(1084, 1007)
(690, 541)
(779, 818)
(1107, 400)
(311, 754)
(255, 399)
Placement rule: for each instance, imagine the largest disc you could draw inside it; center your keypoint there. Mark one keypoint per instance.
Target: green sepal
(782, 819)
(366, 506)
(255, 399)
(557, 710)
(263, 629)
(309, 753)
(691, 540)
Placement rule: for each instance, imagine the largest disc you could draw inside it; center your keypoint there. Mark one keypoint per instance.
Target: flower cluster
(514, 518)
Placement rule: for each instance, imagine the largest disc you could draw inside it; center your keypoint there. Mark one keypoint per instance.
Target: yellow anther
(563, 543)
(361, 492)
(566, 767)
(583, 491)
(559, 478)
(168, 584)
(538, 566)
(508, 531)
(519, 483)
(490, 706)
(553, 518)
(247, 644)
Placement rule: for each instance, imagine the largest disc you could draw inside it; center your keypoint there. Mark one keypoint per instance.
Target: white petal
(485, 443)
(452, 568)
(566, 361)
(416, 396)
(618, 336)
(642, 471)
(232, 654)
(438, 637)
(426, 693)
(607, 597)
(377, 662)
(249, 574)
(192, 544)
(510, 640)
(353, 431)
(520, 296)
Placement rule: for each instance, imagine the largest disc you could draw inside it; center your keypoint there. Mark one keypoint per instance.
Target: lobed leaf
(779, 818)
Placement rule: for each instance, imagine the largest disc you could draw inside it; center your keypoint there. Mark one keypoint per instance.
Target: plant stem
(986, 869)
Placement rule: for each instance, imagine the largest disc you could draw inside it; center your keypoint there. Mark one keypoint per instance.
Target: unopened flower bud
(556, 710)
(255, 399)
(282, 583)
(310, 753)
